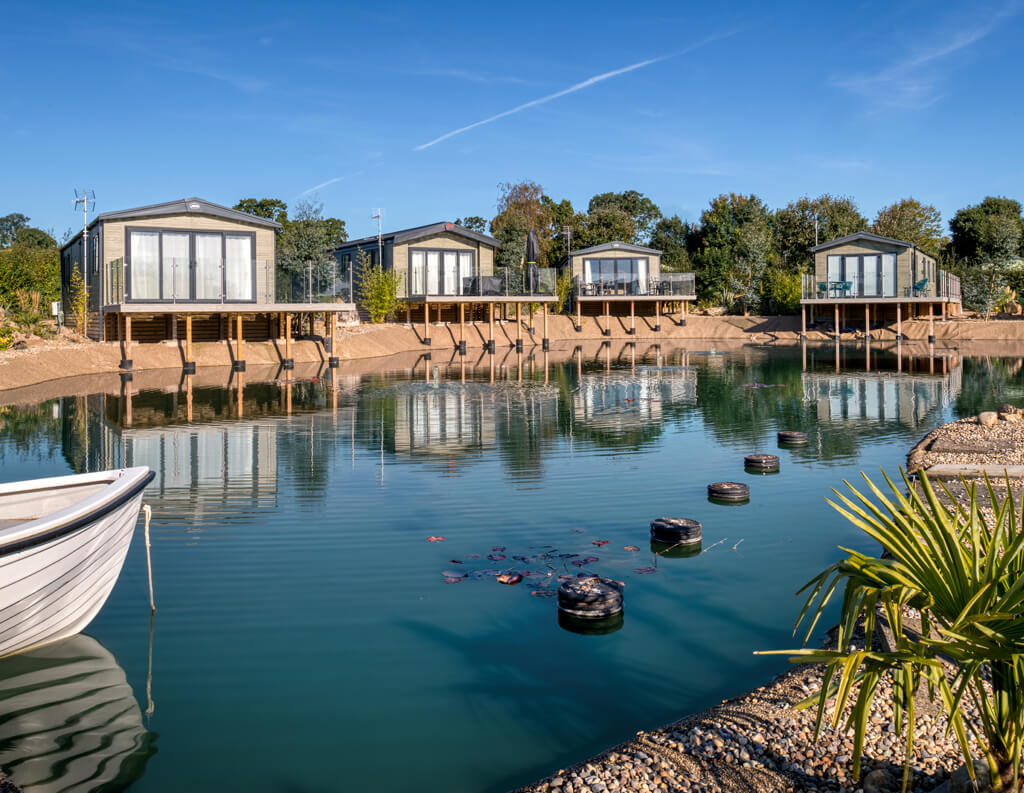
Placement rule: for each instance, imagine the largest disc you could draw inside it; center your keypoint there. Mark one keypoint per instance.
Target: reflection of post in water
(240, 393)
(632, 357)
(608, 357)
(899, 350)
(803, 353)
(867, 354)
(579, 362)
(491, 356)
(126, 397)
(519, 359)
(462, 369)
(837, 353)
(545, 367)
(931, 350)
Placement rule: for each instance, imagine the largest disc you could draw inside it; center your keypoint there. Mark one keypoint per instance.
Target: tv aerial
(85, 197)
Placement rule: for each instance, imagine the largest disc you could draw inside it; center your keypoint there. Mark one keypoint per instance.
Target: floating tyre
(590, 598)
(761, 463)
(591, 627)
(792, 437)
(666, 551)
(731, 492)
(676, 531)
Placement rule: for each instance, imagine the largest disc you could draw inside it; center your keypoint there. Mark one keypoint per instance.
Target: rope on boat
(148, 512)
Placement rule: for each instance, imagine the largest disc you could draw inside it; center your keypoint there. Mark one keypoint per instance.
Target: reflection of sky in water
(304, 632)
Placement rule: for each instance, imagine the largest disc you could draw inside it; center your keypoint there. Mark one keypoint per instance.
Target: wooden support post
(519, 326)
(188, 338)
(490, 337)
(288, 338)
(334, 332)
(803, 320)
(426, 322)
(439, 314)
(943, 310)
(544, 340)
(931, 324)
(657, 315)
(239, 351)
(837, 322)
(867, 322)
(632, 317)
(408, 314)
(462, 325)
(579, 316)
(128, 337)
(607, 320)
(899, 321)
(174, 326)
(684, 302)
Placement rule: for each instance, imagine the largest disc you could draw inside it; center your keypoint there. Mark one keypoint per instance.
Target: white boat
(69, 721)
(62, 544)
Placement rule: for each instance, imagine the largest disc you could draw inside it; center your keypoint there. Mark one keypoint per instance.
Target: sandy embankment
(46, 362)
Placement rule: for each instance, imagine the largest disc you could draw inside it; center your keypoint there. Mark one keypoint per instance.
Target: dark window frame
(191, 299)
(441, 252)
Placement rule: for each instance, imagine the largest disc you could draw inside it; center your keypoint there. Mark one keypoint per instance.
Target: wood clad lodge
(889, 278)
(183, 269)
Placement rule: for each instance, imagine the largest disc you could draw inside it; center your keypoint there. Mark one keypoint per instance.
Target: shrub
(78, 299)
(6, 338)
(31, 269)
(964, 573)
(377, 288)
(783, 290)
(563, 289)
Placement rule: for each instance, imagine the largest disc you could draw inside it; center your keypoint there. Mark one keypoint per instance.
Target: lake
(310, 636)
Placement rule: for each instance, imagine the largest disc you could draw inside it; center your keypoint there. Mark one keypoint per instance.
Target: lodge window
(169, 265)
(440, 272)
(617, 271)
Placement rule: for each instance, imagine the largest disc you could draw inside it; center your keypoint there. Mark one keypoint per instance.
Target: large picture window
(178, 265)
(629, 276)
(440, 272)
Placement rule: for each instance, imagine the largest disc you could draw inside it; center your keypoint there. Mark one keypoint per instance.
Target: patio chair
(920, 287)
(822, 289)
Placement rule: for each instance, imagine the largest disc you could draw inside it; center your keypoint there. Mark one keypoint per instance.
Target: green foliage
(307, 242)
(376, 288)
(605, 224)
(30, 269)
(911, 221)
(6, 338)
(30, 315)
(78, 299)
(782, 289)
(982, 285)
(31, 237)
(473, 223)
(969, 224)
(10, 225)
(964, 573)
(794, 227)
(733, 227)
(752, 248)
(642, 212)
(672, 237)
(563, 288)
(269, 208)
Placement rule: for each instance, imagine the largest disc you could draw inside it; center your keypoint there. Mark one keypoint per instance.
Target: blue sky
(375, 105)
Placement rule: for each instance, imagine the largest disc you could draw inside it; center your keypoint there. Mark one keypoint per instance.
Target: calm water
(306, 639)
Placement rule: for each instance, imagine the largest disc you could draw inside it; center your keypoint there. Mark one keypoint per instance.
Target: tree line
(749, 256)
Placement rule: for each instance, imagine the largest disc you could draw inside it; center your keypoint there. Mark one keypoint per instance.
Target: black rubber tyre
(761, 462)
(729, 491)
(591, 627)
(590, 598)
(676, 531)
(792, 437)
(685, 551)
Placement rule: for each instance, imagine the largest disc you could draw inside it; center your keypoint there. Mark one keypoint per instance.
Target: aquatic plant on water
(964, 573)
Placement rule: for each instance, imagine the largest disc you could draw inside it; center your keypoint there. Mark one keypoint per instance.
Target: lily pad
(435, 539)
(630, 548)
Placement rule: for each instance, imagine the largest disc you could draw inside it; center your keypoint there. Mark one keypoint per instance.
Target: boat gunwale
(122, 488)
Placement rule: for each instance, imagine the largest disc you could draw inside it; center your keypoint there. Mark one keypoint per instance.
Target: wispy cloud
(482, 78)
(599, 78)
(912, 83)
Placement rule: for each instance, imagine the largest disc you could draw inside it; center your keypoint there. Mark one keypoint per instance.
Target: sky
(423, 109)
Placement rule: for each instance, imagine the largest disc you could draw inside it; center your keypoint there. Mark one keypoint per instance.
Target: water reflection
(69, 721)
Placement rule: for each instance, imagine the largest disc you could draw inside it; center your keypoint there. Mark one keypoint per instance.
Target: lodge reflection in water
(892, 385)
(214, 440)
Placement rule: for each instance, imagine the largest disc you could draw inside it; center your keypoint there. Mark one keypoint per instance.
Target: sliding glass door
(889, 275)
(870, 276)
(439, 272)
(174, 266)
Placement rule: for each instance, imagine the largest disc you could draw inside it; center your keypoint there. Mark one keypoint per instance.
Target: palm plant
(964, 573)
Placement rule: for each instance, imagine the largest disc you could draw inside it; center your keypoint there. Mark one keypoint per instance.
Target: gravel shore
(760, 742)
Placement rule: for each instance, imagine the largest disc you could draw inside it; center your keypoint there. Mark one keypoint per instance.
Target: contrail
(571, 90)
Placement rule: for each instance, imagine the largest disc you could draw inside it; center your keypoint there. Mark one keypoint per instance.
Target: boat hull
(56, 574)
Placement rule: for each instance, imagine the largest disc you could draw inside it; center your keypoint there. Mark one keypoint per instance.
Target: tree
(29, 269)
(794, 227)
(672, 237)
(306, 246)
(968, 226)
(376, 287)
(473, 223)
(519, 210)
(911, 221)
(9, 227)
(718, 243)
(752, 248)
(960, 569)
(606, 224)
(32, 237)
(270, 208)
(642, 211)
